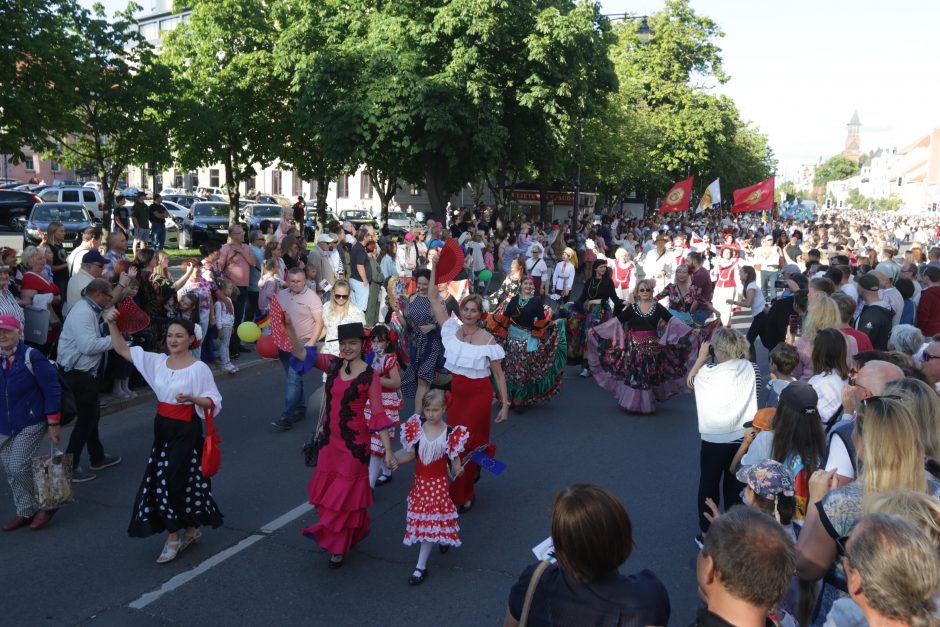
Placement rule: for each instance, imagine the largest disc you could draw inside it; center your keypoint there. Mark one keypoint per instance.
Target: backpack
(68, 409)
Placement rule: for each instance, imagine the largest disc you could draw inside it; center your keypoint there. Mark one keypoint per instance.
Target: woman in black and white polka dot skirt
(174, 495)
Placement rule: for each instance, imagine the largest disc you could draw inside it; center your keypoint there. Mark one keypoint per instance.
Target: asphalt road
(258, 570)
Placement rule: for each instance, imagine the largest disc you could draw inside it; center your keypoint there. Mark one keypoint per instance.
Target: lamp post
(643, 33)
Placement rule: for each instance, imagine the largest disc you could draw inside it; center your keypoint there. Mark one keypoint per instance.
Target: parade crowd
(818, 485)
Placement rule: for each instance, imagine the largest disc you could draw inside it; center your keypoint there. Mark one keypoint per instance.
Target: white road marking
(185, 577)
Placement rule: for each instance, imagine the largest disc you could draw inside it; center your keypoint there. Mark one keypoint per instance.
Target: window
(276, 182)
(170, 23)
(89, 196)
(157, 183)
(178, 180)
(70, 195)
(56, 166)
(342, 187)
(900, 181)
(213, 178)
(30, 163)
(298, 185)
(414, 190)
(50, 196)
(150, 31)
(365, 186)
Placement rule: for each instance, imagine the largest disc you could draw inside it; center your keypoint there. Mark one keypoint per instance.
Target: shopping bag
(52, 478)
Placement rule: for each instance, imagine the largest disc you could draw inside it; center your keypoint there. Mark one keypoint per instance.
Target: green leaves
(834, 168)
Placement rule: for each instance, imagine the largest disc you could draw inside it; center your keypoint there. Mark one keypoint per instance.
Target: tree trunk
(436, 174)
(323, 189)
(232, 189)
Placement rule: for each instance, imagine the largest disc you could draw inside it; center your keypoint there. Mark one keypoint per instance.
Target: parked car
(87, 196)
(209, 221)
(177, 211)
(399, 222)
(185, 200)
(64, 183)
(311, 228)
(357, 217)
(73, 215)
(93, 185)
(257, 212)
(15, 208)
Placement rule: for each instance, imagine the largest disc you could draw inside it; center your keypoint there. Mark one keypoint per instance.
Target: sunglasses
(340, 296)
(925, 357)
(644, 289)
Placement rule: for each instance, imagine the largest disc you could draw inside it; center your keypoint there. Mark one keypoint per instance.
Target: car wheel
(185, 240)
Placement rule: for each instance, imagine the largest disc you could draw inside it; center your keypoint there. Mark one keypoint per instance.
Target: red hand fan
(450, 262)
(131, 318)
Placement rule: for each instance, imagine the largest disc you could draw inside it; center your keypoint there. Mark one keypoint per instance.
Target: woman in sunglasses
(628, 359)
(889, 444)
(336, 311)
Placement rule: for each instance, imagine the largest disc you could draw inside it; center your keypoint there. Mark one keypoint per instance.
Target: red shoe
(42, 518)
(16, 523)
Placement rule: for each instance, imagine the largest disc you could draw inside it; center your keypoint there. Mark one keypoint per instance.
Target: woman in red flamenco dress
(339, 487)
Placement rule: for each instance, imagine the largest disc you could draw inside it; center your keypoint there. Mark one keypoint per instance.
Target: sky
(800, 68)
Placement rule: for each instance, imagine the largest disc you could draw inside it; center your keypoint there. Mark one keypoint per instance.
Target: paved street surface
(259, 570)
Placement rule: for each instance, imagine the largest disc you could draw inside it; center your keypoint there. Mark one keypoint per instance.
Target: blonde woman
(823, 313)
(924, 405)
(623, 274)
(336, 311)
(890, 446)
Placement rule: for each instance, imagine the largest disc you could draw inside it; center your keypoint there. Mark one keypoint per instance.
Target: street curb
(146, 396)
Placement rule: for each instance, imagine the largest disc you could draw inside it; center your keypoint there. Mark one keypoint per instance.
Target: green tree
(835, 168)
(37, 71)
(230, 107)
(115, 118)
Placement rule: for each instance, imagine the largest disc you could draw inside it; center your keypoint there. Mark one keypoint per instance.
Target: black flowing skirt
(174, 494)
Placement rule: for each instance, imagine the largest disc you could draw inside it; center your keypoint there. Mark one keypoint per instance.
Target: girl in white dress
(174, 495)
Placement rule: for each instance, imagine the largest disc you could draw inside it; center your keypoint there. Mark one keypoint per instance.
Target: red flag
(677, 199)
(758, 197)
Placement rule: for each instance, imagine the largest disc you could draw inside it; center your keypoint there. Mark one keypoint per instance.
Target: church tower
(852, 141)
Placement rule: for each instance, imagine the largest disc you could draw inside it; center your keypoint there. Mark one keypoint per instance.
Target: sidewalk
(248, 362)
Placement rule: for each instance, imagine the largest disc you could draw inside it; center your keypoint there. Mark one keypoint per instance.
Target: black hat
(350, 331)
(800, 396)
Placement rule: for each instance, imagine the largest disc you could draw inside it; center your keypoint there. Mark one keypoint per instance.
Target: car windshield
(185, 201)
(210, 210)
(355, 215)
(66, 215)
(266, 211)
(397, 216)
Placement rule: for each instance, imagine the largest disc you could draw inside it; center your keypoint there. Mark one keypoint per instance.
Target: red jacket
(928, 312)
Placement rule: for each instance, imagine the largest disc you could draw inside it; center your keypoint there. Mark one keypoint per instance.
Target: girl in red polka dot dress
(432, 516)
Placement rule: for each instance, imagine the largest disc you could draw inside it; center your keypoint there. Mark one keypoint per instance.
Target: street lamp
(643, 33)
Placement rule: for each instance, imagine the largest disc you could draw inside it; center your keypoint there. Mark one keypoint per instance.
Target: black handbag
(316, 440)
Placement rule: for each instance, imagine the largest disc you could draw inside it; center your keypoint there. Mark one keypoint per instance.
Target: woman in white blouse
(471, 355)
(563, 276)
(174, 495)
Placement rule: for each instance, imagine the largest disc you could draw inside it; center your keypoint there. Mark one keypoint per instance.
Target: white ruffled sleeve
(463, 358)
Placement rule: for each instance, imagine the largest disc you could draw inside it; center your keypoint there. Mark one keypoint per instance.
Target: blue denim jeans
(158, 234)
(294, 398)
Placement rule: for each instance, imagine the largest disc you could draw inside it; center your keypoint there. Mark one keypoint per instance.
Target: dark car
(185, 200)
(357, 217)
(15, 207)
(257, 212)
(73, 216)
(209, 221)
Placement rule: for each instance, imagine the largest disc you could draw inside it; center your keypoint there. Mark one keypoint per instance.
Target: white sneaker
(585, 373)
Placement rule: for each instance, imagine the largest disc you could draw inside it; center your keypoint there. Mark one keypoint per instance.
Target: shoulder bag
(530, 593)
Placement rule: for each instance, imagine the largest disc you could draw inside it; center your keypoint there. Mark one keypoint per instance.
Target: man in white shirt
(658, 264)
(81, 348)
(92, 268)
(870, 381)
(91, 240)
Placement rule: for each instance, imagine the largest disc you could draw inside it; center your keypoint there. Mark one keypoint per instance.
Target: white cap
(326, 238)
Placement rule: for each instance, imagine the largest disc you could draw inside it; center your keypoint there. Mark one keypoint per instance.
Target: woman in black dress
(591, 309)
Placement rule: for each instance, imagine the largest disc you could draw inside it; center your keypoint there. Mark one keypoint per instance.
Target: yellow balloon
(248, 332)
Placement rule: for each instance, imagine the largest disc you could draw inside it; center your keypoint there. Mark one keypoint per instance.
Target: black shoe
(417, 580)
(282, 425)
(336, 564)
(463, 509)
(443, 548)
(80, 475)
(383, 479)
(106, 462)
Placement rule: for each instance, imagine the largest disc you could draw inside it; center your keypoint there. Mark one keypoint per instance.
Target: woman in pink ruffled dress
(339, 487)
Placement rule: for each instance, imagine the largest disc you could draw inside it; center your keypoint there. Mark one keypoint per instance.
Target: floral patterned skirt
(577, 326)
(534, 367)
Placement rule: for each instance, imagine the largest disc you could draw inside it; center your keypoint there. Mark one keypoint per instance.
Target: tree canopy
(835, 168)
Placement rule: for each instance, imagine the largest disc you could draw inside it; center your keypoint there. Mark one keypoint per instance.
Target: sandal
(190, 539)
(417, 580)
(170, 550)
(334, 563)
